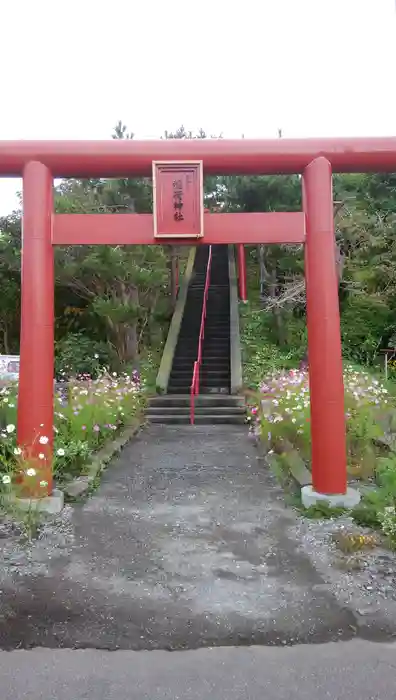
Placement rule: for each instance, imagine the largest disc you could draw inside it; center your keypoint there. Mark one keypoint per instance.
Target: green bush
(77, 354)
(365, 321)
(261, 355)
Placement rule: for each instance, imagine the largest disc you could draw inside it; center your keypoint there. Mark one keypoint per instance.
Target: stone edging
(297, 468)
(82, 484)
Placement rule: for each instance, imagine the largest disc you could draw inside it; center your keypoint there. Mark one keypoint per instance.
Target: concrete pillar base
(49, 504)
(350, 499)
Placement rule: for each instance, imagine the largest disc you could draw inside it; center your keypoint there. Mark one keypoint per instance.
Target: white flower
(43, 484)
(41, 456)
(61, 452)
(6, 479)
(31, 471)
(43, 440)
(96, 356)
(17, 451)
(10, 428)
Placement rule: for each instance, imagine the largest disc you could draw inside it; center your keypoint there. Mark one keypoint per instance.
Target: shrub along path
(187, 543)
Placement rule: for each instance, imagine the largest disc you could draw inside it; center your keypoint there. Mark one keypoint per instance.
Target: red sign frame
(178, 199)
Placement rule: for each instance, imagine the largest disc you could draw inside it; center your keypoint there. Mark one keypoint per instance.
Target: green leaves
(116, 311)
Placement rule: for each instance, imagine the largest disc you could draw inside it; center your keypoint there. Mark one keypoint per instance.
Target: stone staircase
(209, 409)
(214, 404)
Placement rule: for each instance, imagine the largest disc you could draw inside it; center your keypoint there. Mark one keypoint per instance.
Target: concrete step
(219, 365)
(216, 339)
(203, 390)
(208, 419)
(199, 409)
(209, 353)
(184, 400)
(216, 332)
(204, 372)
(208, 378)
(213, 362)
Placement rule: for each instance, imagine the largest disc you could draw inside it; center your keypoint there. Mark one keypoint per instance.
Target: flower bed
(280, 417)
(87, 414)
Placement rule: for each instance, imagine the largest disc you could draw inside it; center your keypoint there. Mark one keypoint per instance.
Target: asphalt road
(355, 670)
(181, 577)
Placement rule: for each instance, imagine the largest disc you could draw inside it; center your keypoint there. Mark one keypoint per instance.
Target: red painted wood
(138, 229)
(329, 468)
(36, 376)
(178, 199)
(116, 158)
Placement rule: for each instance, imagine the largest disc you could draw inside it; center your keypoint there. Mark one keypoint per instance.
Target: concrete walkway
(355, 670)
(186, 544)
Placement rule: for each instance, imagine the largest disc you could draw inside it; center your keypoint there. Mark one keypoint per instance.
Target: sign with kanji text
(178, 199)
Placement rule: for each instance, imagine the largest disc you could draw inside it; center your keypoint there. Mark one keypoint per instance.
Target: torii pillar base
(346, 500)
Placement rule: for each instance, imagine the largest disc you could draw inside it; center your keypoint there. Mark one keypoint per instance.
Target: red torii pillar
(329, 466)
(36, 377)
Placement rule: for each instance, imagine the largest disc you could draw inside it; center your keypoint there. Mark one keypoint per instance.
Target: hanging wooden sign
(178, 199)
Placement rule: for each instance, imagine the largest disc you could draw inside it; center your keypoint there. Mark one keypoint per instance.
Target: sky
(71, 70)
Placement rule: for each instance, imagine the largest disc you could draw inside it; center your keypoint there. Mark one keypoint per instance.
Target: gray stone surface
(355, 670)
(310, 497)
(50, 504)
(187, 544)
(78, 486)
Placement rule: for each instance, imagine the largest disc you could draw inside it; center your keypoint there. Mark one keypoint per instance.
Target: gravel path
(187, 543)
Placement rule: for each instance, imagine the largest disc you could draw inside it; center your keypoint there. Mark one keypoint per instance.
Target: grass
(349, 543)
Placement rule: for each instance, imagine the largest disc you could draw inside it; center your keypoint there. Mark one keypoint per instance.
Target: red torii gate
(40, 162)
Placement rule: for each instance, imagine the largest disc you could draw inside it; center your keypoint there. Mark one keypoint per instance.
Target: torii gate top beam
(125, 158)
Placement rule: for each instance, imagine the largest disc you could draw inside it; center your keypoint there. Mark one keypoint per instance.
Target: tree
(10, 266)
(123, 285)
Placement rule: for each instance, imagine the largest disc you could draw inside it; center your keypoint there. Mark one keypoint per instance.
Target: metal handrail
(194, 389)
